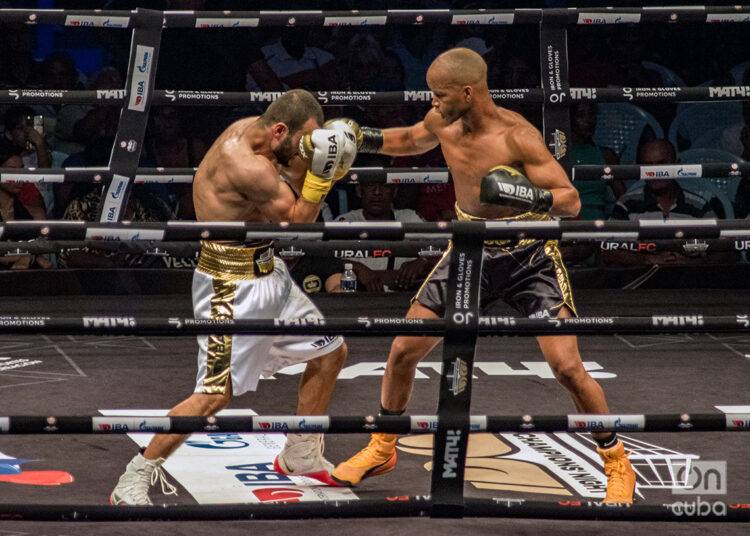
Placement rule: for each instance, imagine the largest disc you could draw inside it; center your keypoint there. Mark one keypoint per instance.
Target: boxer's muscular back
(224, 185)
(471, 155)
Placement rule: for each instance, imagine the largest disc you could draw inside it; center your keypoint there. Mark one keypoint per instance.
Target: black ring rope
(369, 326)
(535, 95)
(414, 424)
(176, 231)
(395, 175)
(238, 19)
(346, 250)
(396, 506)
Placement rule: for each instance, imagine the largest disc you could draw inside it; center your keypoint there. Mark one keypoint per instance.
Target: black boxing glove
(505, 186)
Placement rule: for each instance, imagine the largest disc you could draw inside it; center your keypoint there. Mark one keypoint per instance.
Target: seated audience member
(78, 125)
(736, 137)
(594, 195)
(143, 206)
(742, 199)
(169, 145)
(660, 199)
(436, 201)
(20, 201)
(597, 197)
(314, 274)
(375, 274)
(21, 138)
(296, 64)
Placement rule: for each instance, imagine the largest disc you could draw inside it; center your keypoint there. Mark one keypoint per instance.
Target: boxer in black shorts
(501, 170)
(528, 275)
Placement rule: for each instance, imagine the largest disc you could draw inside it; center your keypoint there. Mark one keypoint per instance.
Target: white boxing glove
(350, 145)
(323, 150)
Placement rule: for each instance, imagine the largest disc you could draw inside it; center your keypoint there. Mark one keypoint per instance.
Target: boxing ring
(462, 327)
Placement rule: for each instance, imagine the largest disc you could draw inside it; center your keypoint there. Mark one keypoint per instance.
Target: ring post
(462, 317)
(553, 47)
(123, 162)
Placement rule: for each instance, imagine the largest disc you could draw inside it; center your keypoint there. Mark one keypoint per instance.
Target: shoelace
(313, 448)
(166, 487)
(139, 493)
(615, 471)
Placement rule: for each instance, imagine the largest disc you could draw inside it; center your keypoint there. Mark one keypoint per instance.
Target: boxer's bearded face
(285, 151)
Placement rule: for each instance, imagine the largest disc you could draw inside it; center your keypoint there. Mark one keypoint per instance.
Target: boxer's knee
(331, 363)
(570, 373)
(337, 358)
(406, 353)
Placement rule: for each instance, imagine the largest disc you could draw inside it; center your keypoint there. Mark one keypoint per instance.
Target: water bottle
(348, 279)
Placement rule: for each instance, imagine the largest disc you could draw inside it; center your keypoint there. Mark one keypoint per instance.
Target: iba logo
(11, 471)
(555, 464)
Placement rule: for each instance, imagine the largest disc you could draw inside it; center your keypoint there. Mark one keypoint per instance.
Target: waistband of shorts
(507, 244)
(233, 262)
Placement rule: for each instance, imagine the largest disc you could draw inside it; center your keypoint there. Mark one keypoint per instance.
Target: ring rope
(412, 424)
(389, 175)
(534, 95)
(368, 326)
(396, 506)
(176, 231)
(346, 250)
(237, 19)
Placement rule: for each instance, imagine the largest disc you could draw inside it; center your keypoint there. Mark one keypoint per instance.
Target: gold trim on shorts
(219, 354)
(524, 216)
(552, 251)
(232, 263)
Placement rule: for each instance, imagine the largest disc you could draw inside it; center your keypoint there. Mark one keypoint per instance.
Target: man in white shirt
(385, 273)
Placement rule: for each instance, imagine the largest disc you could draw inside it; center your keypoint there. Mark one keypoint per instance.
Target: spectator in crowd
(314, 274)
(661, 199)
(20, 138)
(595, 195)
(378, 274)
(168, 144)
(77, 125)
(20, 201)
(736, 138)
(513, 69)
(436, 201)
(415, 52)
(143, 206)
(364, 62)
(296, 64)
(58, 71)
(742, 199)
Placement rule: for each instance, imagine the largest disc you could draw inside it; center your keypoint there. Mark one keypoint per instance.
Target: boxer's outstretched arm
(544, 171)
(406, 141)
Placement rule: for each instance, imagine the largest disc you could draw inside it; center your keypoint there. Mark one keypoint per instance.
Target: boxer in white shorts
(240, 179)
(225, 286)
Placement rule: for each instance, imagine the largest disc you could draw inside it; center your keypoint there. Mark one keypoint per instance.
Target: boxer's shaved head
(459, 67)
